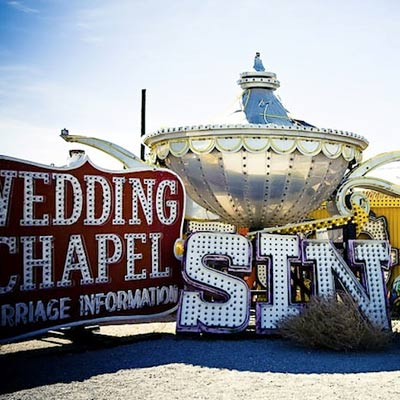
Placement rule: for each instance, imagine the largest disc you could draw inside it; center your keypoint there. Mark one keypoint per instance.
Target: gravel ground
(148, 361)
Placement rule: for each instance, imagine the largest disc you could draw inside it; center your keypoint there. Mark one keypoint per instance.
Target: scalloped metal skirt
(258, 190)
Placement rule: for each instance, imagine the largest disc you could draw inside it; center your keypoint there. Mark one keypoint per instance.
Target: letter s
(204, 252)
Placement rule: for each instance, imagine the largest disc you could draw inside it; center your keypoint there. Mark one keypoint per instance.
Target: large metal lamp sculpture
(269, 170)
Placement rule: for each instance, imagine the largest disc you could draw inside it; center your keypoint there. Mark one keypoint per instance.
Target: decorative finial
(258, 65)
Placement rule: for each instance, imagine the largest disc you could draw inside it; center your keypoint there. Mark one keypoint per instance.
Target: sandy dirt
(148, 361)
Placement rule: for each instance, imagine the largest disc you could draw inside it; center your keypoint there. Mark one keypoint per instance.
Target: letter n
(369, 290)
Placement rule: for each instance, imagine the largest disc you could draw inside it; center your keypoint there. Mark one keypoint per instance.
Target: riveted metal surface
(259, 189)
(271, 170)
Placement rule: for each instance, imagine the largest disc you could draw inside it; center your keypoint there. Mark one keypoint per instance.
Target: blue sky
(81, 64)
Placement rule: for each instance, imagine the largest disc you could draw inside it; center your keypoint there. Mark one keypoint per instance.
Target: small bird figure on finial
(258, 65)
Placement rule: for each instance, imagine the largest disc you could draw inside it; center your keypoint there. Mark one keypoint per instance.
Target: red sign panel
(81, 245)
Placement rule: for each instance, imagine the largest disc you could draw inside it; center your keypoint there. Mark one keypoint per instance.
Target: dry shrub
(334, 324)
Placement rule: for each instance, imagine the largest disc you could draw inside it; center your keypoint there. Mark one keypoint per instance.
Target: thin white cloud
(89, 23)
(20, 68)
(20, 6)
(92, 39)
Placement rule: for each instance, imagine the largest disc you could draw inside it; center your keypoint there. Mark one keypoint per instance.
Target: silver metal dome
(271, 171)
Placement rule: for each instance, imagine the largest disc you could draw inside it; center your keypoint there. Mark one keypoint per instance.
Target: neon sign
(220, 303)
(83, 244)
